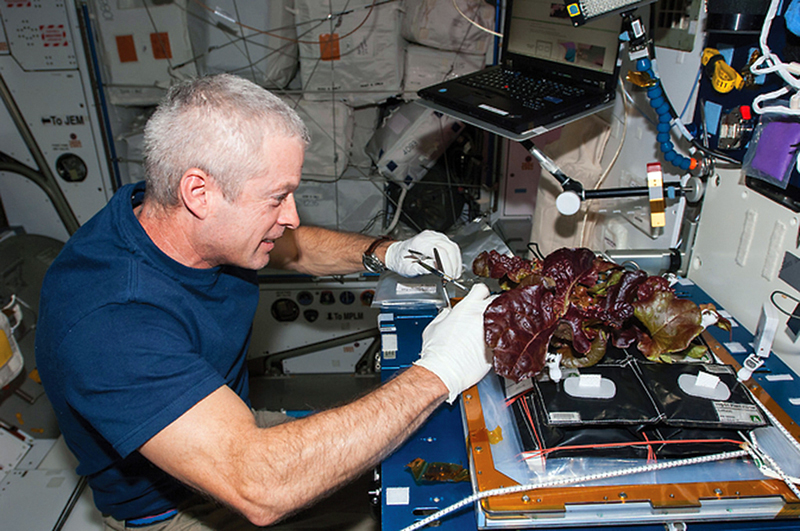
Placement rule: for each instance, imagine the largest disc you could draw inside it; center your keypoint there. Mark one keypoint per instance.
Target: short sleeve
(132, 369)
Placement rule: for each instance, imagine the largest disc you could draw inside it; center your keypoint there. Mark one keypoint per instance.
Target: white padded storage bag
(330, 124)
(244, 38)
(340, 60)
(410, 140)
(437, 23)
(145, 48)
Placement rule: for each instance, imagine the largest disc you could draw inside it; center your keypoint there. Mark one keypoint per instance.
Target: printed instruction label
(389, 346)
(738, 413)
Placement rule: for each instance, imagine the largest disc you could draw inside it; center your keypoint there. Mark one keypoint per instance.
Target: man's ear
(193, 190)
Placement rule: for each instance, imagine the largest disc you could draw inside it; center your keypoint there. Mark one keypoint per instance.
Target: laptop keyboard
(534, 93)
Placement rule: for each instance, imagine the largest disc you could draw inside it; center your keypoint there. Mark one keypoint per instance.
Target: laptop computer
(551, 73)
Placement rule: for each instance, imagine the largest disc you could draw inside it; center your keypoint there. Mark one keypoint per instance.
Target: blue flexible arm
(659, 103)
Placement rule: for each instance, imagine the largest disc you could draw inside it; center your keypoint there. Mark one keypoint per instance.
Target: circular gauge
(284, 310)
(71, 168)
(367, 296)
(305, 298)
(347, 297)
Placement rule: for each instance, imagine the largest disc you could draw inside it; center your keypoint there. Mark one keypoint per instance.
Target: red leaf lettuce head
(576, 303)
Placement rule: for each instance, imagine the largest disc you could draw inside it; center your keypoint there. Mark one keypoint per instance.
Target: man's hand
(424, 242)
(453, 345)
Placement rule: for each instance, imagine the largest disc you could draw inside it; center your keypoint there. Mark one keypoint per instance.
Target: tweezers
(419, 257)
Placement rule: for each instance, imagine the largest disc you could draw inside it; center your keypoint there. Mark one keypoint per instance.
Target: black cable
(778, 292)
(713, 153)
(533, 248)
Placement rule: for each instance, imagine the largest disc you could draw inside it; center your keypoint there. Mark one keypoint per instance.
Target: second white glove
(453, 345)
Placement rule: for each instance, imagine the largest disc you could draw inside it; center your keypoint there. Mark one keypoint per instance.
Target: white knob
(568, 203)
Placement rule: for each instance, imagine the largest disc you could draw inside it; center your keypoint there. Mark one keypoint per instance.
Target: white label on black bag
(564, 417)
(738, 413)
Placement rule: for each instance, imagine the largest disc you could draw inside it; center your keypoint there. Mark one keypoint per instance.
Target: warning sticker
(53, 35)
(742, 414)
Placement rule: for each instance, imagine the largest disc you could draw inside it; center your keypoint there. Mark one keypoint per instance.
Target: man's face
(245, 230)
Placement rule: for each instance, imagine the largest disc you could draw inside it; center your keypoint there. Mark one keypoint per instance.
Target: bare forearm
(318, 251)
(310, 457)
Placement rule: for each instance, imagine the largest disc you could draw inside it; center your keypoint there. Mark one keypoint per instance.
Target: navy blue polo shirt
(127, 341)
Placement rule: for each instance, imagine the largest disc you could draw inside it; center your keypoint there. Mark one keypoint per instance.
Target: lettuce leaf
(672, 323)
(577, 303)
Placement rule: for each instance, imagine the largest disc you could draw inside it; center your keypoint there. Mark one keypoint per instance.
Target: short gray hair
(218, 124)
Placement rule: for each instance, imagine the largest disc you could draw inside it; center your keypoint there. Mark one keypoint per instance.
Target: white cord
(773, 62)
(677, 123)
(11, 302)
(569, 481)
(610, 165)
(770, 63)
(398, 209)
(487, 30)
(781, 109)
(16, 311)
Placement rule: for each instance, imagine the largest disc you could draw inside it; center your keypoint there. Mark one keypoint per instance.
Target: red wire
(651, 454)
(635, 443)
(533, 425)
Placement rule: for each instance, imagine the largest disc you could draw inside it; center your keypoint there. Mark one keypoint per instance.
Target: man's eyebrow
(282, 189)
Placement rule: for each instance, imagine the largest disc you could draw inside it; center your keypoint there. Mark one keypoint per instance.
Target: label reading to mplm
(746, 414)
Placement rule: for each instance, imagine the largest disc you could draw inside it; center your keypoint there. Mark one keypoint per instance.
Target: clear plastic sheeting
(395, 292)
(350, 51)
(508, 455)
(772, 442)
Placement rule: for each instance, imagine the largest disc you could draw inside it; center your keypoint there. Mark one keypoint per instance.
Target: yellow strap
(5, 349)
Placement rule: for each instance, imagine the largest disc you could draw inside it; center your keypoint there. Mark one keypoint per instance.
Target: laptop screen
(541, 29)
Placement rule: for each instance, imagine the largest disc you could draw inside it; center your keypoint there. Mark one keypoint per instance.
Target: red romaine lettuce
(576, 303)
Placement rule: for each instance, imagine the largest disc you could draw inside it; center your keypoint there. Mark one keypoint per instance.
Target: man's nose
(289, 217)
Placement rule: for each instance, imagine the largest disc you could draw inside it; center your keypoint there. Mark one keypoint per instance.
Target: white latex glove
(453, 346)
(424, 242)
